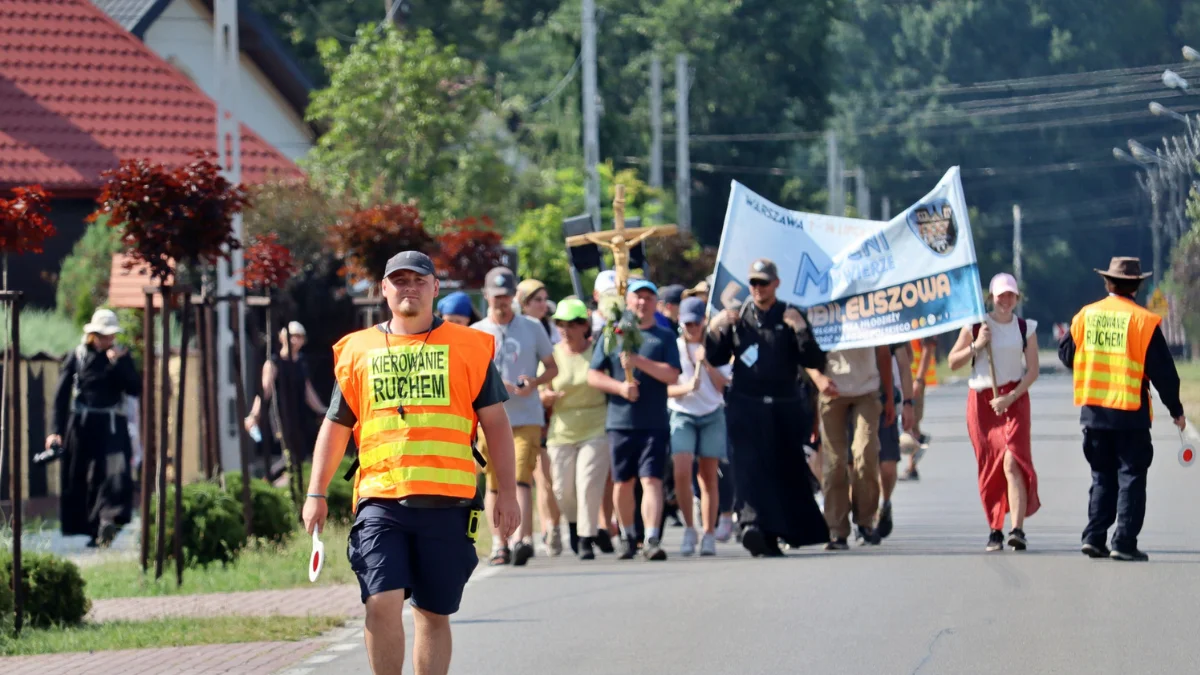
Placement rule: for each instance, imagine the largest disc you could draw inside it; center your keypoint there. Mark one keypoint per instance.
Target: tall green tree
(1010, 91)
(407, 118)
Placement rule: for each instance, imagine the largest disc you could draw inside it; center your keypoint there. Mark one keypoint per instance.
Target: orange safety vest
(1111, 338)
(413, 396)
(931, 374)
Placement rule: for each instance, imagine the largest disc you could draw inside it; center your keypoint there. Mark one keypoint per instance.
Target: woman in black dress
(90, 423)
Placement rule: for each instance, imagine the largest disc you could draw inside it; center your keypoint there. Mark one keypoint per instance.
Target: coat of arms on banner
(934, 224)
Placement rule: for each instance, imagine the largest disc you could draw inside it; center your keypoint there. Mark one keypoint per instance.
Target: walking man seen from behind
(1116, 350)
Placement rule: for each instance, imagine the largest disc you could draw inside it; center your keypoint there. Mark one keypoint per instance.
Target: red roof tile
(78, 94)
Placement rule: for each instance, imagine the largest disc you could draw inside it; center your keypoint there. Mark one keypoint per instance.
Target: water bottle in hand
(256, 434)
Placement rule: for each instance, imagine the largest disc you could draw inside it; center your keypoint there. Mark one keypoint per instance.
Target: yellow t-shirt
(579, 415)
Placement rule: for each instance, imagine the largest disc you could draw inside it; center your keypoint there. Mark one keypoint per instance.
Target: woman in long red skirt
(999, 425)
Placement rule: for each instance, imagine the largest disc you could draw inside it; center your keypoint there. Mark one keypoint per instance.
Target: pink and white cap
(1003, 283)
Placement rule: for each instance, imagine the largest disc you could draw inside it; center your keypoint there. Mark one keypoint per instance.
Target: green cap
(571, 310)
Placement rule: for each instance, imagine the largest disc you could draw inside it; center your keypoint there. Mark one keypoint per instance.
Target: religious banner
(862, 283)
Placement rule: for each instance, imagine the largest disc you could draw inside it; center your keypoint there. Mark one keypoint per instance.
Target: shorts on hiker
(699, 435)
(527, 445)
(425, 551)
(638, 454)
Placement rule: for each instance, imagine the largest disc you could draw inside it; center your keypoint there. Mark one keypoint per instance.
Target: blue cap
(642, 285)
(691, 310)
(457, 303)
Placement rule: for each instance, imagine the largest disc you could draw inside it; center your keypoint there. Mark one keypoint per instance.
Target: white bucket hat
(104, 322)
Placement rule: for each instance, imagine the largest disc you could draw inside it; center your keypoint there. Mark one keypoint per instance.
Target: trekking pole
(992, 371)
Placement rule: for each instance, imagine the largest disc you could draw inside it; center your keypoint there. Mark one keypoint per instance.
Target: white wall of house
(183, 36)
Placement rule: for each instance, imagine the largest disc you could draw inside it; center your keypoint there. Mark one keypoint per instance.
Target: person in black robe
(769, 416)
(91, 426)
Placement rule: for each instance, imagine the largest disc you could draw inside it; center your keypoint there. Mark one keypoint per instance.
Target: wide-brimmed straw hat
(1128, 269)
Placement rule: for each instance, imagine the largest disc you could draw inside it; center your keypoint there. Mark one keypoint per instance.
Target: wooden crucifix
(620, 240)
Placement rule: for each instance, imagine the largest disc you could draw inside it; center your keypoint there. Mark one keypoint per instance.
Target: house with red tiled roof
(79, 93)
(273, 89)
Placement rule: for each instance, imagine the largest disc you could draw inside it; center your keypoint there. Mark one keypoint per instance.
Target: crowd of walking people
(724, 417)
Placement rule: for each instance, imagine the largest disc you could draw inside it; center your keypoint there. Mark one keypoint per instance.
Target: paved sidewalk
(248, 658)
(339, 600)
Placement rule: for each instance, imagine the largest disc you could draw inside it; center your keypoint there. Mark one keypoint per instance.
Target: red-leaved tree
(269, 264)
(364, 239)
(467, 249)
(183, 214)
(23, 222)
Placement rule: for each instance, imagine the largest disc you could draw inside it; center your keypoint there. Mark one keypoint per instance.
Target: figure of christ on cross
(620, 240)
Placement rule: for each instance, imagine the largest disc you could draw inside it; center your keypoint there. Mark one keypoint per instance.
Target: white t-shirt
(704, 400)
(1006, 347)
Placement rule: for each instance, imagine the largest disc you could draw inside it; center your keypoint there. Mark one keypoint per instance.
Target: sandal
(500, 557)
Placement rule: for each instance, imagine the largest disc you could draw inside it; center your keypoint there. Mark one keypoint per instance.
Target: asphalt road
(929, 600)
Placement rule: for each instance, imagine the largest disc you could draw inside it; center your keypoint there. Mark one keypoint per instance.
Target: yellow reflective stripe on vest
(1109, 398)
(415, 420)
(1113, 360)
(406, 474)
(383, 451)
(1120, 380)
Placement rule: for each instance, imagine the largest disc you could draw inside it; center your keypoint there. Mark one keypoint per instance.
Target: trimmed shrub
(213, 527)
(53, 588)
(275, 516)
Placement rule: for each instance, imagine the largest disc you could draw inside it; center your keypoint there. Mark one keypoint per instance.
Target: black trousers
(1120, 460)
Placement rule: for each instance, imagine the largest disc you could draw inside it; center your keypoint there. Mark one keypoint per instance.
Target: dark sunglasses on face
(758, 282)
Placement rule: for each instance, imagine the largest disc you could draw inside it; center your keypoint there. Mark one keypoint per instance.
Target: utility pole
(591, 116)
(229, 154)
(1017, 271)
(862, 193)
(656, 131)
(885, 209)
(833, 173)
(396, 13)
(683, 162)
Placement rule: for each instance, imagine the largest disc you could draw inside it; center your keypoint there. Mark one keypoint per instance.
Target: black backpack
(1020, 326)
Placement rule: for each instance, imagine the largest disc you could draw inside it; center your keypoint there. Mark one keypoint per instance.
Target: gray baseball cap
(409, 260)
(763, 270)
(499, 281)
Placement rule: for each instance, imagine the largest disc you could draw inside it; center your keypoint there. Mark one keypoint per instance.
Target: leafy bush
(340, 494)
(54, 591)
(6, 600)
(213, 526)
(86, 271)
(275, 516)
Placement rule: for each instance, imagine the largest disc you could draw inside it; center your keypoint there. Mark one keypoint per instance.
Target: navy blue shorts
(425, 551)
(639, 454)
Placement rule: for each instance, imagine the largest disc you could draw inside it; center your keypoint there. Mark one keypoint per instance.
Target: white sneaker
(708, 544)
(724, 529)
(689, 542)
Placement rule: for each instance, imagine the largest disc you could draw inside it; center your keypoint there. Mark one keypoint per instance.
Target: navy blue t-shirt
(649, 412)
